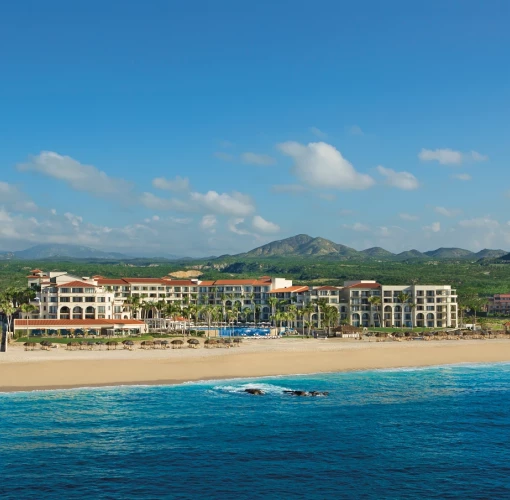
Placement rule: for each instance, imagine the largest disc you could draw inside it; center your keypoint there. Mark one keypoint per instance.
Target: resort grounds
(89, 366)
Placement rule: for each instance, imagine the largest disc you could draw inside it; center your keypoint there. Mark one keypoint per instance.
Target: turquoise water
(426, 433)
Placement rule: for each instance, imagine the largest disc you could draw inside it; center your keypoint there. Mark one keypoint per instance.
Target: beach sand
(58, 368)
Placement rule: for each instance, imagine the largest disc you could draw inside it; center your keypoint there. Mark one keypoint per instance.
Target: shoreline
(23, 371)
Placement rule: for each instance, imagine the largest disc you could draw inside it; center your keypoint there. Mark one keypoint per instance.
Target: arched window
(65, 313)
(355, 319)
(90, 313)
(77, 312)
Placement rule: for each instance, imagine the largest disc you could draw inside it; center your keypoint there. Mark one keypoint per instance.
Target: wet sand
(22, 370)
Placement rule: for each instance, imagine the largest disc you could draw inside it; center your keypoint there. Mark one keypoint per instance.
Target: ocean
(441, 432)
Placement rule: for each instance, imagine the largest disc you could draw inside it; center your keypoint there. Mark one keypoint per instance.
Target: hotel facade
(362, 303)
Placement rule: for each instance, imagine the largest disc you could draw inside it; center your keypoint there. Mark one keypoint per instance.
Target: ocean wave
(271, 389)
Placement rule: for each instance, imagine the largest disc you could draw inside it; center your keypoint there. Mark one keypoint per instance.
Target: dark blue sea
(427, 433)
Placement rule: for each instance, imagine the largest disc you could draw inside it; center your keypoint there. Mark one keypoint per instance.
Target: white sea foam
(240, 389)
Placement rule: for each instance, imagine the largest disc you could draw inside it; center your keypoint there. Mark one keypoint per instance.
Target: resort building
(499, 304)
(362, 303)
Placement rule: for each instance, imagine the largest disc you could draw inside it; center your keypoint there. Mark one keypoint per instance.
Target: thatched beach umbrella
(177, 344)
(128, 344)
(164, 344)
(193, 343)
(237, 342)
(112, 344)
(147, 344)
(157, 344)
(210, 343)
(29, 346)
(91, 345)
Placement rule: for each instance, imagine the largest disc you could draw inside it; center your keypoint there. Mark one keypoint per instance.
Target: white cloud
(288, 188)
(461, 177)
(400, 180)
(12, 198)
(264, 226)
(223, 156)
(256, 159)
(443, 156)
(153, 202)
(448, 212)
(318, 132)
(235, 204)
(450, 156)
(435, 227)
(226, 144)
(177, 184)
(405, 216)
(233, 226)
(321, 165)
(75, 220)
(357, 226)
(480, 222)
(208, 223)
(80, 177)
(355, 130)
(476, 156)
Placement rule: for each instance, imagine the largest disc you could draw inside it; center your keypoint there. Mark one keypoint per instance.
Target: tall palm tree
(404, 299)
(375, 302)
(27, 309)
(256, 313)
(307, 311)
(321, 304)
(273, 303)
(292, 312)
(331, 315)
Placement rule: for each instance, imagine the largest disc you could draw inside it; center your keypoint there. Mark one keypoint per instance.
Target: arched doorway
(355, 320)
(388, 320)
(65, 313)
(420, 320)
(365, 319)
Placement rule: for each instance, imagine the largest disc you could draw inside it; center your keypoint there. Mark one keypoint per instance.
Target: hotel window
(62, 290)
(52, 309)
(89, 299)
(53, 299)
(101, 299)
(90, 290)
(65, 299)
(77, 290)
(101, 309)
(77, 299)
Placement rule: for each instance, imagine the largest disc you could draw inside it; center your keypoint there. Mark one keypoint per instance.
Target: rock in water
(256, 392)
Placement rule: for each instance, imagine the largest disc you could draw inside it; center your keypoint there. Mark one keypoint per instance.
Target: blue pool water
(427, 433)
(240, 331)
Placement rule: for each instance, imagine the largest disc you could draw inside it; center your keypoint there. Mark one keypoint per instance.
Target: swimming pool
(239, 331)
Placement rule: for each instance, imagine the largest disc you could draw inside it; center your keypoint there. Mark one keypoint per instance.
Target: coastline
(60, 369)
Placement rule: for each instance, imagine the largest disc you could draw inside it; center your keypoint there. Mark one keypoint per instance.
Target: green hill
(302, 245)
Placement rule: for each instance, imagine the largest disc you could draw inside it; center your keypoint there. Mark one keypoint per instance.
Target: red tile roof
(145, 280)
(76, 284)
(327, 287)
(290, 289)
(76, 322)
(110, 281)
(179, 283)
(364, 285)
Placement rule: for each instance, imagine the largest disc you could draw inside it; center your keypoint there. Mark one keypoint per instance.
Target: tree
(292, 312)
(8, 309)
(307, 311)
(375, 302)
(27, 309)
(321, 304)
(273, 302)
(331, 315)
(403, 298)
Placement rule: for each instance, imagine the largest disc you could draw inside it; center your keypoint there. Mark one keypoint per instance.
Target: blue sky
(202, 128)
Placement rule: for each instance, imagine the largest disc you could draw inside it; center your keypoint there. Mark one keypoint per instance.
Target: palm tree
(321, 304)
(307, 311)
(308, 324)
(403, 298)
(246, 313)
(375, 302)
(8, 309)
(256, 313)
(292, 312)
(412, 305)
(27, 309)
(330, 316)
(273, 302)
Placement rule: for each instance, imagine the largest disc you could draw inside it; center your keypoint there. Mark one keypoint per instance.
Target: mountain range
(303, 245)
(299, 246)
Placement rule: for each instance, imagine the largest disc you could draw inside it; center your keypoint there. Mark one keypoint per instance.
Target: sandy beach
(58, 368)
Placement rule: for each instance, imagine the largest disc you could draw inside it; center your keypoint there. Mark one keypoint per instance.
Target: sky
(202, 128)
